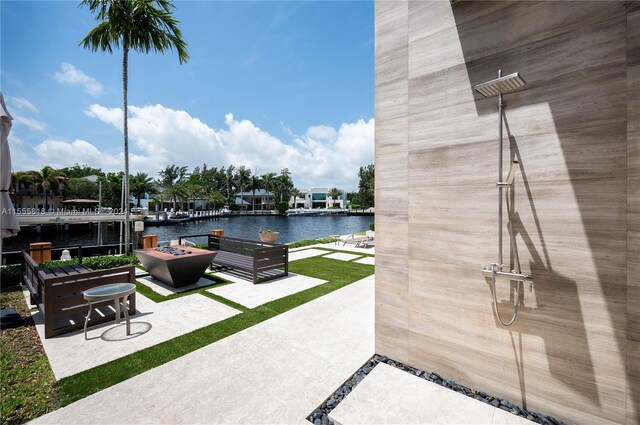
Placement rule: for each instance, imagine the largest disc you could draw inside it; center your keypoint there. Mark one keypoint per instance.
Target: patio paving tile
(342, 256)
(166, 290)
(391, 396)
(152, 324)
(249, 295)
(366, 260)
(254, 376)
(305, 253)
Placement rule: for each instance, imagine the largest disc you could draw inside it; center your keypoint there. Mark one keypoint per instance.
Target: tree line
(176, 184)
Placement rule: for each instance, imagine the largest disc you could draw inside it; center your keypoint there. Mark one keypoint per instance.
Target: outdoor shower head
(500, 85)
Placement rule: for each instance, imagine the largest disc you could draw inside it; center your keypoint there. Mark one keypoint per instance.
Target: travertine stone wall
(574, 351)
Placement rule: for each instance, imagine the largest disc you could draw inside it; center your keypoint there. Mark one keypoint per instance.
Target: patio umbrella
(9, 223)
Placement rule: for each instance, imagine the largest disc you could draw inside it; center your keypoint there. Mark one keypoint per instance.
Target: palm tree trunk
(125, 71)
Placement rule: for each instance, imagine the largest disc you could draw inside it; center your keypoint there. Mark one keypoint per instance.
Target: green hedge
(10, 277)
(98, 263)
(307, 242)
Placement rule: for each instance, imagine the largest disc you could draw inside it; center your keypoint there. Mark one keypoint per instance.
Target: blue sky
(269, 85)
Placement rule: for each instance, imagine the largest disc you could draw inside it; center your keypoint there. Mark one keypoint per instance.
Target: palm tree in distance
(141, 183)
(242, 179)
(335, 194)
(296, 193)
(267, 179)
(141, 25)
(255, 183)
(49, 178)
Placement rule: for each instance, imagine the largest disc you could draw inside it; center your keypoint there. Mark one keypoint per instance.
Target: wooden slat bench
(57, 291)
(263, 261)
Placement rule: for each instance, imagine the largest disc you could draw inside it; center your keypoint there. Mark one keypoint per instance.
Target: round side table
(112, 291)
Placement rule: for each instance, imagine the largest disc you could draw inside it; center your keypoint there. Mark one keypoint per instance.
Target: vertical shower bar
(500, 106)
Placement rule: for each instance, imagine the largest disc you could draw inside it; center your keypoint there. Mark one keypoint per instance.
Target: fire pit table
(175, 265)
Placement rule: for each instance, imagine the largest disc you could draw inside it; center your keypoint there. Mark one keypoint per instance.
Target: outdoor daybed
(260, 261)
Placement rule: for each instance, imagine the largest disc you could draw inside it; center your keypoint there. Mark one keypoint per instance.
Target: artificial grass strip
(337, 274)
(154, 296)
(225, 301)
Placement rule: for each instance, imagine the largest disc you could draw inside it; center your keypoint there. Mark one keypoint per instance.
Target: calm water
(291, 229)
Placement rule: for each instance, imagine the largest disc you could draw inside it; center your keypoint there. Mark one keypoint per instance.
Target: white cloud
(59, 154)
(32, 123)
(323, 157)
(22, 103)
(72, 76)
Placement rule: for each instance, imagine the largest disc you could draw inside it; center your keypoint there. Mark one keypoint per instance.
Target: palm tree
(176, 192)
(22, 180)
(255, 183)
(242, 179)
(228, 183)
(158, 200)
(296, 193)
(267, 179)
(216, 199)
(141, 25)
(193, 191)
(50, 179)
(141, 183)
(335, 194)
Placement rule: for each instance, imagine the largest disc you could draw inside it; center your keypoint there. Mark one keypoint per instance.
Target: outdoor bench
(57, 291)
(263, 261)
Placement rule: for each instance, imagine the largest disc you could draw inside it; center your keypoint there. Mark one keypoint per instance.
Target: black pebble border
(320, 416)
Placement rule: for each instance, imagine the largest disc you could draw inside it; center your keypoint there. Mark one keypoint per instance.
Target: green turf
(337, 274)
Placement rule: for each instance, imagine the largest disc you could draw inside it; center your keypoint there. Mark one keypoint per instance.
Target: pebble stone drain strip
(320, 416)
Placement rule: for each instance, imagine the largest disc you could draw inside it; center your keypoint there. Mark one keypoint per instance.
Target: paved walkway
(278, 371)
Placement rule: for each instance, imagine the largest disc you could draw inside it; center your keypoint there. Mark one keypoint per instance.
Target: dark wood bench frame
(57, 291)
(262, 260)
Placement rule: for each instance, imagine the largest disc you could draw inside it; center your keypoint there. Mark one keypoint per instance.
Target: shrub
(307, 242)
(372, 226)
(282, 207)
(98, 263)
(10, 277)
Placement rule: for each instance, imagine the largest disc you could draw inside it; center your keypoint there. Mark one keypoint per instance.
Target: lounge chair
(357, 241)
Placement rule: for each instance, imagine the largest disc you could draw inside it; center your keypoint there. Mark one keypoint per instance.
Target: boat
(179, 217)
(316, 212)
(225, 211)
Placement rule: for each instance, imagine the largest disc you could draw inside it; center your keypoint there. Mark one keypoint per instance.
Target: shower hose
(494, 267)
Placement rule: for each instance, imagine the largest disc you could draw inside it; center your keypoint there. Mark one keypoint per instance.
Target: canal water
(291, 229)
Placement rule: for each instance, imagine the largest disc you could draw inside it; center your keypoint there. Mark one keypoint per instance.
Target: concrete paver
(277, 371)
(152, 324)
(391, 396)
(251, 295)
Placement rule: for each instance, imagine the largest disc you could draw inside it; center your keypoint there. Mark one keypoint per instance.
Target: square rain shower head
(506, 84)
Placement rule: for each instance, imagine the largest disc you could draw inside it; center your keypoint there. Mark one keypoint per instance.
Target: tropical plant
(267, 180)
(229, 187)
(366, 193)
(176, 192)
(255, 183)
(141, 183)
(50, 179)
(296, 193)
(80, 188)
(158, 201)
(193, 192)
(282, 186)
(243, 176)
(216, 199)
(141, 25)
(334, 193)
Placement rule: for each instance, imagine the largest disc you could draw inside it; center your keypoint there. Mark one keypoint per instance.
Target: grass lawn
(28, 387)
(52, 395)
